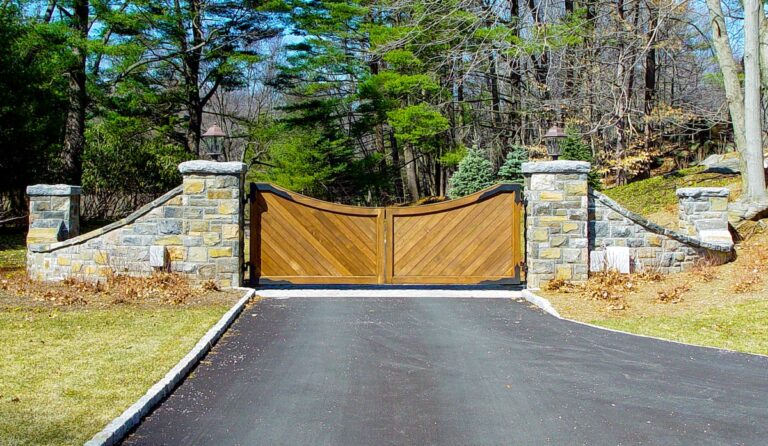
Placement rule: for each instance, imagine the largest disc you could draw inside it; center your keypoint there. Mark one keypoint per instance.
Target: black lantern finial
(214, 141)
(552, 140)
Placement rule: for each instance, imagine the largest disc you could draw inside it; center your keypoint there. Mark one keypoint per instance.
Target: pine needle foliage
(475, 173)
(573, 147)
(511, 171)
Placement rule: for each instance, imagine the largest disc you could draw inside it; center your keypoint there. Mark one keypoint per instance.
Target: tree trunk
(650, 74)
(733, 93)
(74, 131)
(515, 79)
(764, 51)
(540, 61)
(753, 132)
(192, 61)
(396, 165)
(410, 173)
(500, 144)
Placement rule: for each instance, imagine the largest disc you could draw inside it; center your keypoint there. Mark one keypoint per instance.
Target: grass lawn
(655, 198)
(722, 306)
(65, 374)
(67, 370)
(742, 327)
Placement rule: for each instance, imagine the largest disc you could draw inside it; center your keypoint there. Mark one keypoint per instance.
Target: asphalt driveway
(418, 371)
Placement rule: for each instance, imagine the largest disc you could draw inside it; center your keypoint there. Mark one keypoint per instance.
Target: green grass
(739, 327)
(65, 374)
(13, 250)
(655, 194)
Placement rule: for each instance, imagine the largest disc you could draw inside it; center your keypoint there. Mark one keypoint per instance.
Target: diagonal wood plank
(443, 251)
(441, 227)
(470, 240)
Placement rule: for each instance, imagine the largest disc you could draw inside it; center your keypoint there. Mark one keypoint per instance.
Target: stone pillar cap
(560, 166)
(61, 190)
(212, 168)
(701, 192)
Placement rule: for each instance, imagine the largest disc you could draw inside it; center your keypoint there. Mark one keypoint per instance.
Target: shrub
(511, 170)
(572, 147)
(475, 173)
(125, 167)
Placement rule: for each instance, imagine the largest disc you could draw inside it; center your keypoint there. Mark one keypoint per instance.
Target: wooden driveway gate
(299, 240)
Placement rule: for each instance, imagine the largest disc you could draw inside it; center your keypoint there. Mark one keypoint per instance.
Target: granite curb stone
(118, 428)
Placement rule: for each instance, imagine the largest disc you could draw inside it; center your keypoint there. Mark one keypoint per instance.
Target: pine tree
(475, 173)
(511, 170)
(575, 149)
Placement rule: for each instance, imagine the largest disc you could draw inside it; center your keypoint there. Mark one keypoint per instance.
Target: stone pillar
(54, 213)
(212, 209)
(704, 213)
(556, 221)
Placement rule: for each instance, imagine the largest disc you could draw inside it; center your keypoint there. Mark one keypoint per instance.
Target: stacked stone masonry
(704, 213)
(556, 221)
(651, 247)
(54, 213)
(198, 228)
(567, 223)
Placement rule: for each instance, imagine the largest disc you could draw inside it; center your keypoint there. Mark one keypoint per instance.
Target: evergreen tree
(475, 173)
(575, 149)
(511, 170)
(33, 104)
(572, 147)
(304, 159)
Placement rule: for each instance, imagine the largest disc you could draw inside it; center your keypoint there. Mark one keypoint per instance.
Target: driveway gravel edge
(118, 428)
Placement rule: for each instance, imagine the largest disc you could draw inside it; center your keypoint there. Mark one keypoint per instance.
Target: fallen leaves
(163, 287)
(673, 295)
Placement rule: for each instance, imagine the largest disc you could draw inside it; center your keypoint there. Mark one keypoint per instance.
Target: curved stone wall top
(701, 192)
(560, 166)
(653, 227)
(142, 211)
(57, 190)
(201, 167)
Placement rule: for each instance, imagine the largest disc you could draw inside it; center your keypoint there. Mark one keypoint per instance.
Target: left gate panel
(299, 240)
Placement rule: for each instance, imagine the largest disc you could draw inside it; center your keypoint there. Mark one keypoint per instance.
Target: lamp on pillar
(552, 140)
(214, 141)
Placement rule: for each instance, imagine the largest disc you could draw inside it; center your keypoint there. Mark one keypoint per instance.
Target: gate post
(212, 208)
(556, 221)
(54, 213)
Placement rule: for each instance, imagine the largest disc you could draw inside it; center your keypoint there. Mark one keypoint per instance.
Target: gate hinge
(519, 198)
(246, 266)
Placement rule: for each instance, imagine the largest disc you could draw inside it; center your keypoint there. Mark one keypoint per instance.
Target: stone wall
(571, 229)
(195, 229)
(704, 213)
(649, 246)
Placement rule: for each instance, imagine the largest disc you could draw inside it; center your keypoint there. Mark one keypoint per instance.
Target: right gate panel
(472, 240)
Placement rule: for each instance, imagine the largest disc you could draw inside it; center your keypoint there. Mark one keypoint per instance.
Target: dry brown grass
(649, 295)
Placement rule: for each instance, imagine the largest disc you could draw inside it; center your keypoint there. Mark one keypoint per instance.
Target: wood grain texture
(297, 239)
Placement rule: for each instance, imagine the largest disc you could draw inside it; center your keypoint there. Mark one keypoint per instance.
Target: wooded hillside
(356, 101)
